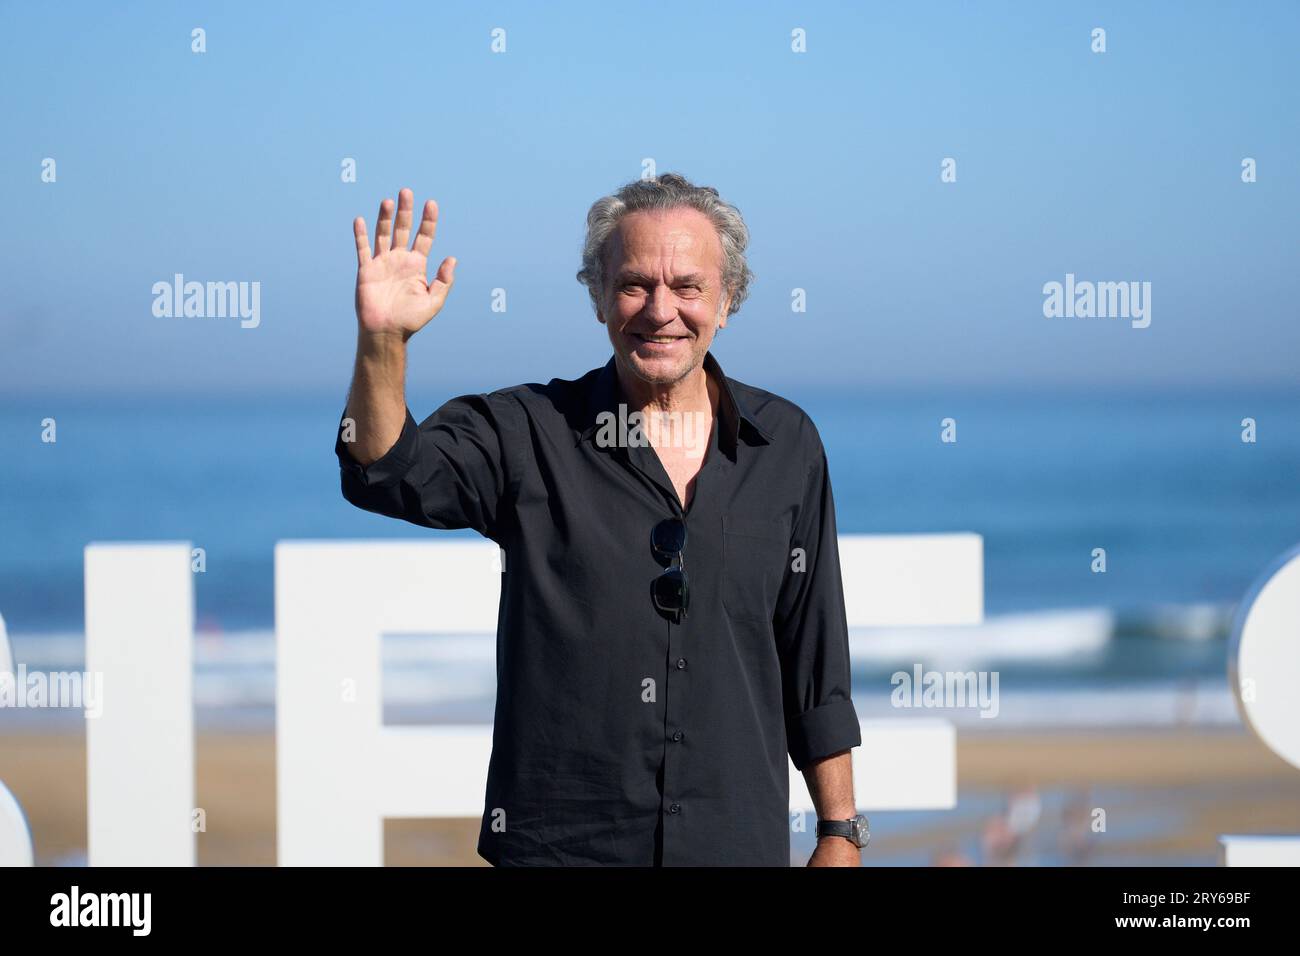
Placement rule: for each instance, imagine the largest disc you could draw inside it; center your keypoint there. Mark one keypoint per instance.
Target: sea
(1192, 494)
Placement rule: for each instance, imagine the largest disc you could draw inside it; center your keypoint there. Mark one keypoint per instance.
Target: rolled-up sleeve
(450, 471)
(811, 631)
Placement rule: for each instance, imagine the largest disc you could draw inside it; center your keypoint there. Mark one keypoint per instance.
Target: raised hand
(392, 295)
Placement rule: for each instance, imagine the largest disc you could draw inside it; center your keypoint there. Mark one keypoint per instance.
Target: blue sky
(225, 165)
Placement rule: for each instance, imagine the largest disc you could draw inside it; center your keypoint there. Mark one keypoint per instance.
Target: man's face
(663, 293)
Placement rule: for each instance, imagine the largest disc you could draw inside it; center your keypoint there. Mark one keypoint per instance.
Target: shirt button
(676, 807)
(677, 736)
(681, 663)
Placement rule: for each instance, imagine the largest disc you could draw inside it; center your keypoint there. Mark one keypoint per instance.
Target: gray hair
(668, 191)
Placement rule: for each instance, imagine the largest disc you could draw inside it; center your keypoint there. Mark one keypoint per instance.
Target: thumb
(445, 277)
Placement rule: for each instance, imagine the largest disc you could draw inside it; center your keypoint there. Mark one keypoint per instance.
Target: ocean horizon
(1189, 516)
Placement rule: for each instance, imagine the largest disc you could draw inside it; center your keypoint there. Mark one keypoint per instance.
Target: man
(671, 629)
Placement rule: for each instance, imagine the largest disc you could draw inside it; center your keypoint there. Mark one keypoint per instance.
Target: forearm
(377, 399)
(830, 784)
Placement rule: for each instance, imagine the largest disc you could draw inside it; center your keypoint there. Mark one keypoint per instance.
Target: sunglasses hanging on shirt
(671, 594)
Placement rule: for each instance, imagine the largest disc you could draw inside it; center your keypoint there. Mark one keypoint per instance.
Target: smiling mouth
(658, 339)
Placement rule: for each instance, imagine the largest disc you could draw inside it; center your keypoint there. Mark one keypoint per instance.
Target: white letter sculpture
(1263, 668)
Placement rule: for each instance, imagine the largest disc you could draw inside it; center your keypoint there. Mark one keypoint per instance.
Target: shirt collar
(732, 414)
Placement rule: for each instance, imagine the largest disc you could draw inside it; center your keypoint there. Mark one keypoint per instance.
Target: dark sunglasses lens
(669, 536)
(671, 593)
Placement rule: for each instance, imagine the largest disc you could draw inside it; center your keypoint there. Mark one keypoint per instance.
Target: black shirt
(623, 735)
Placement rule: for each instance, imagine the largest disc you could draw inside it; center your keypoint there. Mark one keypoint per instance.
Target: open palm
(393, 295)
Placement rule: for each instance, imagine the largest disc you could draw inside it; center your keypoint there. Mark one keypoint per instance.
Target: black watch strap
(854, 829)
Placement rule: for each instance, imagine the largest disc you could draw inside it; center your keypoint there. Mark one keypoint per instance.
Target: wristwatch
(853, 829)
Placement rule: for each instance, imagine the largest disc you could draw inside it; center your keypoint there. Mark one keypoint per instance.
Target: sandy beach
(1167, 795)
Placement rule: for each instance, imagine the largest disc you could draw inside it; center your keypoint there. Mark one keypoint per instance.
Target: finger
(384, 227)
(444, 280)
(363, 243)
(405, 205)
(428, 226)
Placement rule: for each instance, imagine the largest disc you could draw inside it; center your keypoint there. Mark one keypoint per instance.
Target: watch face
(861, 833)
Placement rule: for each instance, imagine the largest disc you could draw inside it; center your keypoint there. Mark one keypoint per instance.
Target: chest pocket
(755, 553)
